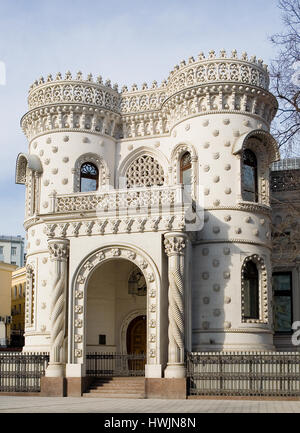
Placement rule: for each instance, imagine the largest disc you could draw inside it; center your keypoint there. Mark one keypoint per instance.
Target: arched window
(186, 169)
(137, 283)
(89, 176)
(249, 176)
(251, 291)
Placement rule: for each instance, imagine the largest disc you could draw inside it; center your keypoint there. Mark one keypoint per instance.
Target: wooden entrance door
(136, 341)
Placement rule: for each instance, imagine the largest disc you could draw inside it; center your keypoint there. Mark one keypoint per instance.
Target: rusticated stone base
(78, 385)
(53, 386)
(166, 388)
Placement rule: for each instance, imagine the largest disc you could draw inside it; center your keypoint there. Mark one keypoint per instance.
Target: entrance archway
(110, 304)
(78, 303)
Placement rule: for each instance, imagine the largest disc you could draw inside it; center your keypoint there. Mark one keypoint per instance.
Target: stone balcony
(118, 211)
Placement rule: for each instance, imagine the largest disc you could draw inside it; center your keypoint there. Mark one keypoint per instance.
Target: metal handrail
(115, 364)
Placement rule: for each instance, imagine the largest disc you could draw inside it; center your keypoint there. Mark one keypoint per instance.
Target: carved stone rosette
(175, 246)
(59, 253)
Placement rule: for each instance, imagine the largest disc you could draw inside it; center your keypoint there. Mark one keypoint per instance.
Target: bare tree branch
(285, 79)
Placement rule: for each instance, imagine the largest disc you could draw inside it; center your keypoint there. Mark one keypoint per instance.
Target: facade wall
(285, 184)
(195, 292)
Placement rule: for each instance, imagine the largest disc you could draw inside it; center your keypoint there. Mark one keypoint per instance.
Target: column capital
(58, 249)
(175, 243)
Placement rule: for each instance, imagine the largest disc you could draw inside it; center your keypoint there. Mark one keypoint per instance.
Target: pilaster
(175, 247)
(59, 253)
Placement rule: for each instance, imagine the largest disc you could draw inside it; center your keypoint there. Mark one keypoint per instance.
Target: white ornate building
(116, 261)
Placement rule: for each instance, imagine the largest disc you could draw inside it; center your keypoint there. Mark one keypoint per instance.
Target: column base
(75, 370)
(153, 370)
(53, 387)
(55, 370)
(176, 371)
(166, 388)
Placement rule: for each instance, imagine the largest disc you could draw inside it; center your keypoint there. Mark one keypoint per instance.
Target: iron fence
(21, 372)
(244, 374)
(115, 364)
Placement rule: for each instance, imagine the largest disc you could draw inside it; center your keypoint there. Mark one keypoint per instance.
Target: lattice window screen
(145, 171)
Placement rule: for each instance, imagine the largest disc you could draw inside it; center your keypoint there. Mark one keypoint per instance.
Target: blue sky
(126, 41)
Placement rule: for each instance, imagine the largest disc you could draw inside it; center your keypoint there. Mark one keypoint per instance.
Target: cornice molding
(232, 241)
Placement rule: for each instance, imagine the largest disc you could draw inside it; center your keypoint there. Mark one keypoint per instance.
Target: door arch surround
(125, 324)
(78, 299)
(137, 335)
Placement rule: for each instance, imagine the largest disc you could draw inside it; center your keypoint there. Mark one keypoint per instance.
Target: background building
(5, 302)
(18, 289)
(12, 250)
(285, 202)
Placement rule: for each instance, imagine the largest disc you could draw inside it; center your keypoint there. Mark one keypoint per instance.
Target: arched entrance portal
(88, 311)
(112, 296)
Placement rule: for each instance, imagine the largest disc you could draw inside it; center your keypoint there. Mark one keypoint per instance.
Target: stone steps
(117, 387)
(112, 395)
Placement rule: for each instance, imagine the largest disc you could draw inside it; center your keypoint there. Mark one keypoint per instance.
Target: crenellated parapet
(74, 90)
(71, 104)
(218, 69)
(208, 85)
(199, 87)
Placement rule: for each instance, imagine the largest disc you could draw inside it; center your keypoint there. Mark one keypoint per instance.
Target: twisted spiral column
(59, 253)
(175, 245)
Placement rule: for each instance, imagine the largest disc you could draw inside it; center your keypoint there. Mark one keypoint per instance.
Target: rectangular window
(13, 251)
(102, 339)
(282, 290)
(1, 250)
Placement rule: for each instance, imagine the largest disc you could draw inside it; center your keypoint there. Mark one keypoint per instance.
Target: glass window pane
(251, 306)
(88, 184)
(249, 178)
(248, 196)
(283, 313)
(251, 291)
(187, 176)
(281, 282)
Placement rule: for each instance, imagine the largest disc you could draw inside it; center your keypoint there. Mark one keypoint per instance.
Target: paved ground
(12, 404)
